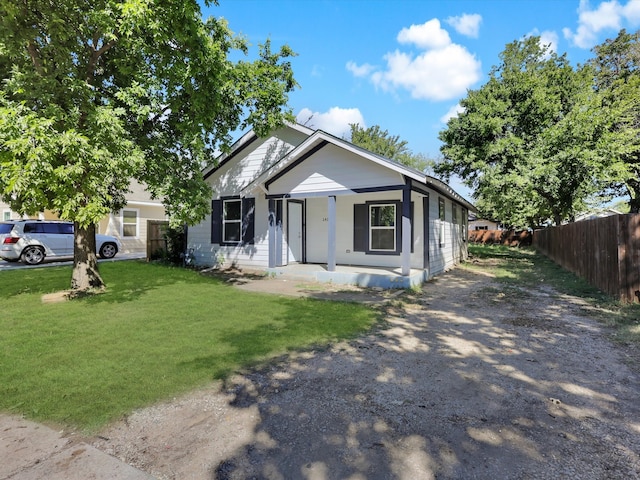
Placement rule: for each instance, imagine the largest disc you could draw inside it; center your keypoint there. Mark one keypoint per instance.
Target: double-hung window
(382, 227)
(377, 227)
(129, 223)
(231, 220)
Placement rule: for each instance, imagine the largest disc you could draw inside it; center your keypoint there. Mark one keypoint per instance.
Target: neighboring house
(129, 224)
(306, 201)
(476, 223)
(606, 212)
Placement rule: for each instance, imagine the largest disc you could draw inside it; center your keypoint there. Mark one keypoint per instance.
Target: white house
(306, 201)
(476, 223)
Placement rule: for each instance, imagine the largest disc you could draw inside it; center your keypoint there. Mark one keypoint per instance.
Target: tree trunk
(85, 262)
(557, 219)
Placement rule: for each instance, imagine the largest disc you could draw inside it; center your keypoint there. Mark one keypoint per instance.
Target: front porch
(362, 276)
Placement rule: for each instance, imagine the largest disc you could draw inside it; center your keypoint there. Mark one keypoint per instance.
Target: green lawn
(157, 332)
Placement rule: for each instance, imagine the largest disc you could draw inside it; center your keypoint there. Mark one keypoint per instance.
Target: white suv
(33, 240)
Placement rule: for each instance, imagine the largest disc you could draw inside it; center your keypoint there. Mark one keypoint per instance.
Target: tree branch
(95, 56)
(35, 57)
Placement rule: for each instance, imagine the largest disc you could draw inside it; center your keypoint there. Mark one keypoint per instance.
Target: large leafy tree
(387, 145)
(617, 78)
(94, 93)
(530, 140)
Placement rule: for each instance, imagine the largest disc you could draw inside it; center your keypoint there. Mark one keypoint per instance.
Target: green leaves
(617, 79)
(536, 142)
(389, 146)
(96, 93)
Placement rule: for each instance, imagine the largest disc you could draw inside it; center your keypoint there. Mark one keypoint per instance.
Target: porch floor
(379, 277)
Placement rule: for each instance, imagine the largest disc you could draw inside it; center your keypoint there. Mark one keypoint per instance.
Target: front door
(295, 231)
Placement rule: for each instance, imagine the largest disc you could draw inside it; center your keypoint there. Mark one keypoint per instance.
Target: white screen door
(295, 231)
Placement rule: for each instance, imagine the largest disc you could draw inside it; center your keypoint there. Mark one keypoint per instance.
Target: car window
(66, 228)
(5, 227)
(33, 228)
(50, 228)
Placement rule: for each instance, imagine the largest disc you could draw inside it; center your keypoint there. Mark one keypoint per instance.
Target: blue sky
(405, 64)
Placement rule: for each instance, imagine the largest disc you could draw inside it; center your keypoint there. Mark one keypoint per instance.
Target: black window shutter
(248, 220)
(216, 221)
(360, 228)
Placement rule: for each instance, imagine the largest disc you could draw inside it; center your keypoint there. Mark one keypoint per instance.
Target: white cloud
(336, 121)
(631, 11)
(547, 38)
(452, 112)
(608, 15)
(360, 70)
(442, 70)
(467, 24)
(439, 74)
(427, 35)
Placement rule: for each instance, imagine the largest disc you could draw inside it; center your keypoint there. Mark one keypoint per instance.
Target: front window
(231, 221)
(129, 223)
(382, 227)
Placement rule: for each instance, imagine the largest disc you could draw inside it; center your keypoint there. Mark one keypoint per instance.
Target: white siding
(228, 180)
(481, 224)
(245, 256)
(334, 169)
(454, 248)
(257, 157)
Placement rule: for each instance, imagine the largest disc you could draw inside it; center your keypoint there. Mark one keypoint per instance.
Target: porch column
(406, 231)
(279, 233)
(272, 233)
(331, 245)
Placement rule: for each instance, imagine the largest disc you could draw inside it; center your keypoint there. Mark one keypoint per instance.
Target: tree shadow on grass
(129, 284)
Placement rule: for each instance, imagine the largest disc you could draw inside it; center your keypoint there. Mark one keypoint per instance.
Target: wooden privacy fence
(603, 251)
(156, 238)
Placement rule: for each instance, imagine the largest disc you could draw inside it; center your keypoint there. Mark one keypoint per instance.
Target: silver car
(33, 240)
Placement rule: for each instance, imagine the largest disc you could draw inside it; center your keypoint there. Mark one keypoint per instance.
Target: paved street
(4, 265)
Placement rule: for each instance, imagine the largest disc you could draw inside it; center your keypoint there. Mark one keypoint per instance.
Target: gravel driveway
(466, 380)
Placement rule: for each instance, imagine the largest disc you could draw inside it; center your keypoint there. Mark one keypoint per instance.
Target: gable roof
(242, 143)
(319, 139)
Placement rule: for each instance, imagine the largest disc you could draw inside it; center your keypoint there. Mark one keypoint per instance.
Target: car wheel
(108, 250)
(32, 255)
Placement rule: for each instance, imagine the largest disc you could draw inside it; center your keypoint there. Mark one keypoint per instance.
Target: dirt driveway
(464, 381)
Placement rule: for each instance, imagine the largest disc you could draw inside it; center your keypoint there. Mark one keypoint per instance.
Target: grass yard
(523, 267)
(157, 332)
